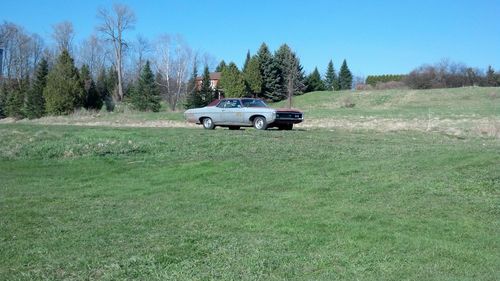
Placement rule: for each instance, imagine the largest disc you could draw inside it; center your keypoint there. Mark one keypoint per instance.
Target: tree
(345, 77)
(174, 58)
(221, 66)
(206, 91)
(92, 53)
(292, 76)
(314, 82)
(64, 91)
(491, 78)
(3, 99)
(35, 102)
(145, 96)
(331, 79)
(103, 89)
(92, 98)
(63, 33)
(193, 99)
(270, 72)
(247, 60)
(252, 77)
(113, 25)
(16, 94)
(231, 81)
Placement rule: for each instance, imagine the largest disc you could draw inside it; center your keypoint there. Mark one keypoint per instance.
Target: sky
(375, 37)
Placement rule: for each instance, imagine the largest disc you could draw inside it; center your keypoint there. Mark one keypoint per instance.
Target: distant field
(84, 203)
(405, 104)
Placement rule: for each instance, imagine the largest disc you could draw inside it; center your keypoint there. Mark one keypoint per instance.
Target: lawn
(84, 203)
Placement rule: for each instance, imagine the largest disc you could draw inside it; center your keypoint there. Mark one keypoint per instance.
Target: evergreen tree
(270, 72)
(314, 82)
(221, 66)
(64, 91)
(3, 99)
(252, 77)
(247, 60)
(491, 78)
(292, 76)
(345, 77)
(103, 90)
(232, 82)
(35, 102)
(145, 96)
(92, 98)
(331, 79)
(112, 84)
(16, 94)
(205, 91)
(193, 99)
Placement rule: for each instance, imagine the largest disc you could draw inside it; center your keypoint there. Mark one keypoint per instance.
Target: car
(234, 113)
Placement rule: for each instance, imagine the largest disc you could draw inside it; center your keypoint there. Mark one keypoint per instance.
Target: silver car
(243, 112)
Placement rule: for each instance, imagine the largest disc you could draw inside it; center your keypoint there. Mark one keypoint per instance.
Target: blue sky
(376, 37)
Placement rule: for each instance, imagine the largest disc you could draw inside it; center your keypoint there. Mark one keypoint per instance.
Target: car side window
(223, 104)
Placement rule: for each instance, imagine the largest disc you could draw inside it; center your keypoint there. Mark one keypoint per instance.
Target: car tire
(234, 127)
(260, 123)
(208, 123)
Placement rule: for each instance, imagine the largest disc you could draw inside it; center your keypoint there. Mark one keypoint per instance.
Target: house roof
(213, 76)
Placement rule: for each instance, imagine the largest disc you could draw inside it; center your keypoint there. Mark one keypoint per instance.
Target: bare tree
(141, 50)
(18, 51)
(113, 25)
(93, 53)
(174, 59)
(63, 33)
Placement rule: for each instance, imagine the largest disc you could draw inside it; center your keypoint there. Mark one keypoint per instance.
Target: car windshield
(253, 103)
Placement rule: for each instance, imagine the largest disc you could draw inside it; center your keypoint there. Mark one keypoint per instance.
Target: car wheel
(260, 123)
(208, 123)
(234, 128)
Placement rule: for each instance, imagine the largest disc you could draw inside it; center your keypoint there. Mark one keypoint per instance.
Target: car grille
(288, 115)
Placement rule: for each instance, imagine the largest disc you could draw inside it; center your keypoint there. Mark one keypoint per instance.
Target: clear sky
(376, 37)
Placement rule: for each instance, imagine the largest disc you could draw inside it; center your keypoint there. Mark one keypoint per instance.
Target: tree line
(273, 76)
(445, 74)
(104, 70)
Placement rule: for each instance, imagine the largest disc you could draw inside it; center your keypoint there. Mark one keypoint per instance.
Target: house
(214, 80)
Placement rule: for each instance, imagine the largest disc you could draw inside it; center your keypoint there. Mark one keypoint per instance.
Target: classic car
(243, 112)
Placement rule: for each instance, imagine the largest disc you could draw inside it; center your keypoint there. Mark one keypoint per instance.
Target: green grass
(405, 104)
(190, 204)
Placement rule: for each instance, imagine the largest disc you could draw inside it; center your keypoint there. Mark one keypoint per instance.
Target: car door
(232, 113)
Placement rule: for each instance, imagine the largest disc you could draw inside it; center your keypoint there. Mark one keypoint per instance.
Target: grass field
(84, 203)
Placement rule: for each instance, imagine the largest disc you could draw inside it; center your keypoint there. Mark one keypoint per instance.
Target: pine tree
(193, 99)
(491, 78)
(145, 96)
(205, 91)
(221, 66)
(3, 99)
(35, 102)
(247, 60)
(64, 91)
(331, 79)
(252, 77)
(92, 98)
(231, 82)
(270, 72)
(16, 93)
(314, 82)
(292, 76)
(345, 77)
(103, 90)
